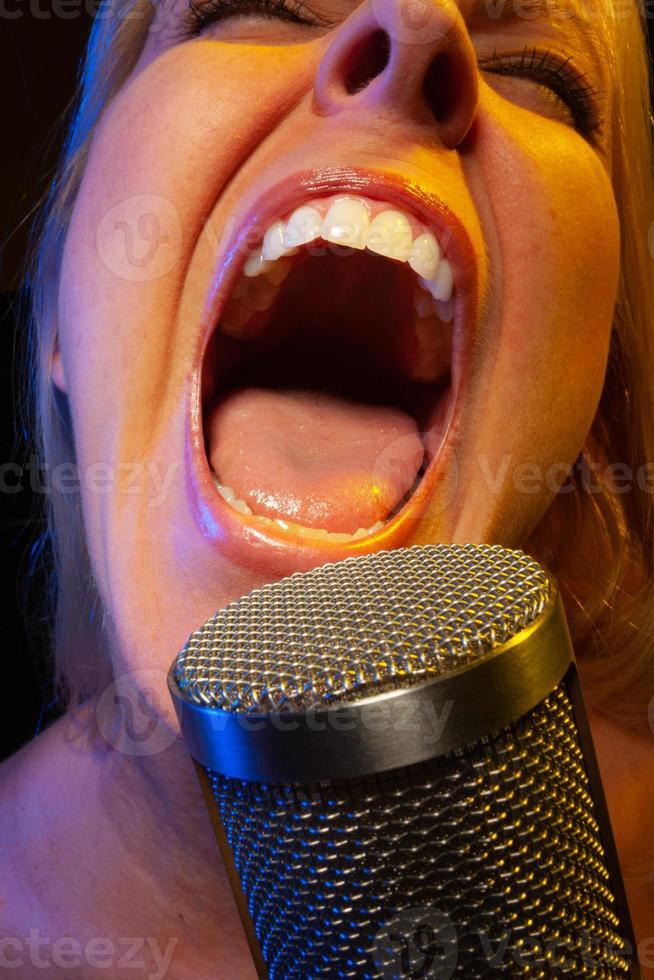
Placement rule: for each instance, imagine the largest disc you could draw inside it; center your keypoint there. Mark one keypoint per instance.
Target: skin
(249, 102)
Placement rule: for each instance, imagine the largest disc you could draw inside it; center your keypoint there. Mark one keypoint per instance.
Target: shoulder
(35, 795)
(32, 776)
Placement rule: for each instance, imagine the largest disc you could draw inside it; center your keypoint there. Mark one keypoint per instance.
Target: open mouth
(327, 382)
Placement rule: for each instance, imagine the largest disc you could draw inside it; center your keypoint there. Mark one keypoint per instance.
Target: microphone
(399, 770)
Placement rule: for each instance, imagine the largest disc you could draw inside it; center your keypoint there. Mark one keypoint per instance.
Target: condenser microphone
(399, 771)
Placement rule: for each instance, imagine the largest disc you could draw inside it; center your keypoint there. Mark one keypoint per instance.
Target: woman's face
(320, 399)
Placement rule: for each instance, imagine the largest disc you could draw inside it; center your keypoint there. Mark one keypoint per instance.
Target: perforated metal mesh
(499, 840)
(363, 625)
(497, 844)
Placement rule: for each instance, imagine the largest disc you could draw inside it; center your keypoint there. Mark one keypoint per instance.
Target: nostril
(367, 59)
(438, 87)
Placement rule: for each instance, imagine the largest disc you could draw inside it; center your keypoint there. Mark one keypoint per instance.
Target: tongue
(313, 457)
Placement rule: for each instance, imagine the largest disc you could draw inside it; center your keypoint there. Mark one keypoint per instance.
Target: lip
(243, 539)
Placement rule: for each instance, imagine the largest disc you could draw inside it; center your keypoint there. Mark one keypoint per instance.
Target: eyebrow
(485, 13)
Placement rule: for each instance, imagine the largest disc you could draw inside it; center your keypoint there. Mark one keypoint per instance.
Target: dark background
(39, 56)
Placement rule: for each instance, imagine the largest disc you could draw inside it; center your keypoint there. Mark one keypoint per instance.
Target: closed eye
(201, 15)
(559, 75)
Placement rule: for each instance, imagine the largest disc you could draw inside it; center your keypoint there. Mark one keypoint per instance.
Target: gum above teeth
(308, 532)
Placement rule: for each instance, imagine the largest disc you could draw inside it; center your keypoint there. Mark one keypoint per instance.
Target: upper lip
(297, 188)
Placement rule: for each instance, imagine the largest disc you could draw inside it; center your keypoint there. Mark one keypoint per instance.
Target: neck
(141, 825)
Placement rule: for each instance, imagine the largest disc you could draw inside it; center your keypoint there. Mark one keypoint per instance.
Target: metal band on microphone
(391, 730)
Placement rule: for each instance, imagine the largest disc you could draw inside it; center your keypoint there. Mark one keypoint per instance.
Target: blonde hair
(600, 546)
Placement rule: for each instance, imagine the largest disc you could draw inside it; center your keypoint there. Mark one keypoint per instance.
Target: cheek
(163, 155)
(557, 246)
(161, 158)
(553, 240)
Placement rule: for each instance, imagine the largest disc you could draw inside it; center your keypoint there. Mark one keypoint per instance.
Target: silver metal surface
(505, 837)
(363, 626)
(500, 842)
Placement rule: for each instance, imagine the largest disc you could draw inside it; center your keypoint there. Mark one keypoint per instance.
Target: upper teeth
(348, 221)
(360, 224)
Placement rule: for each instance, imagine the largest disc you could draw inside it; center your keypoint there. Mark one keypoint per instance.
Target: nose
(403, 58)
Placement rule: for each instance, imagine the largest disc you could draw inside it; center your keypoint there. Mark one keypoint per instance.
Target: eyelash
(563, 78)
(200, 15)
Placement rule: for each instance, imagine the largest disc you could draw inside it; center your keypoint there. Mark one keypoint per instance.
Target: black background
(39, 56)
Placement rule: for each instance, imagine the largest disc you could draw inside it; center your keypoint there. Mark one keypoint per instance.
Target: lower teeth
(300, 530)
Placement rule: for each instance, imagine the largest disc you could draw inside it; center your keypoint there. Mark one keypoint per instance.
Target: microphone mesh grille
(494, 844)
(362, 626)
(486, 862)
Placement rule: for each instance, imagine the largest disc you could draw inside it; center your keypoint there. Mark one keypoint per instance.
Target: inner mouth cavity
(325, 391)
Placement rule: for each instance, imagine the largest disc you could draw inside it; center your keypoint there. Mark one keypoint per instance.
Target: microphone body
(399, 770)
